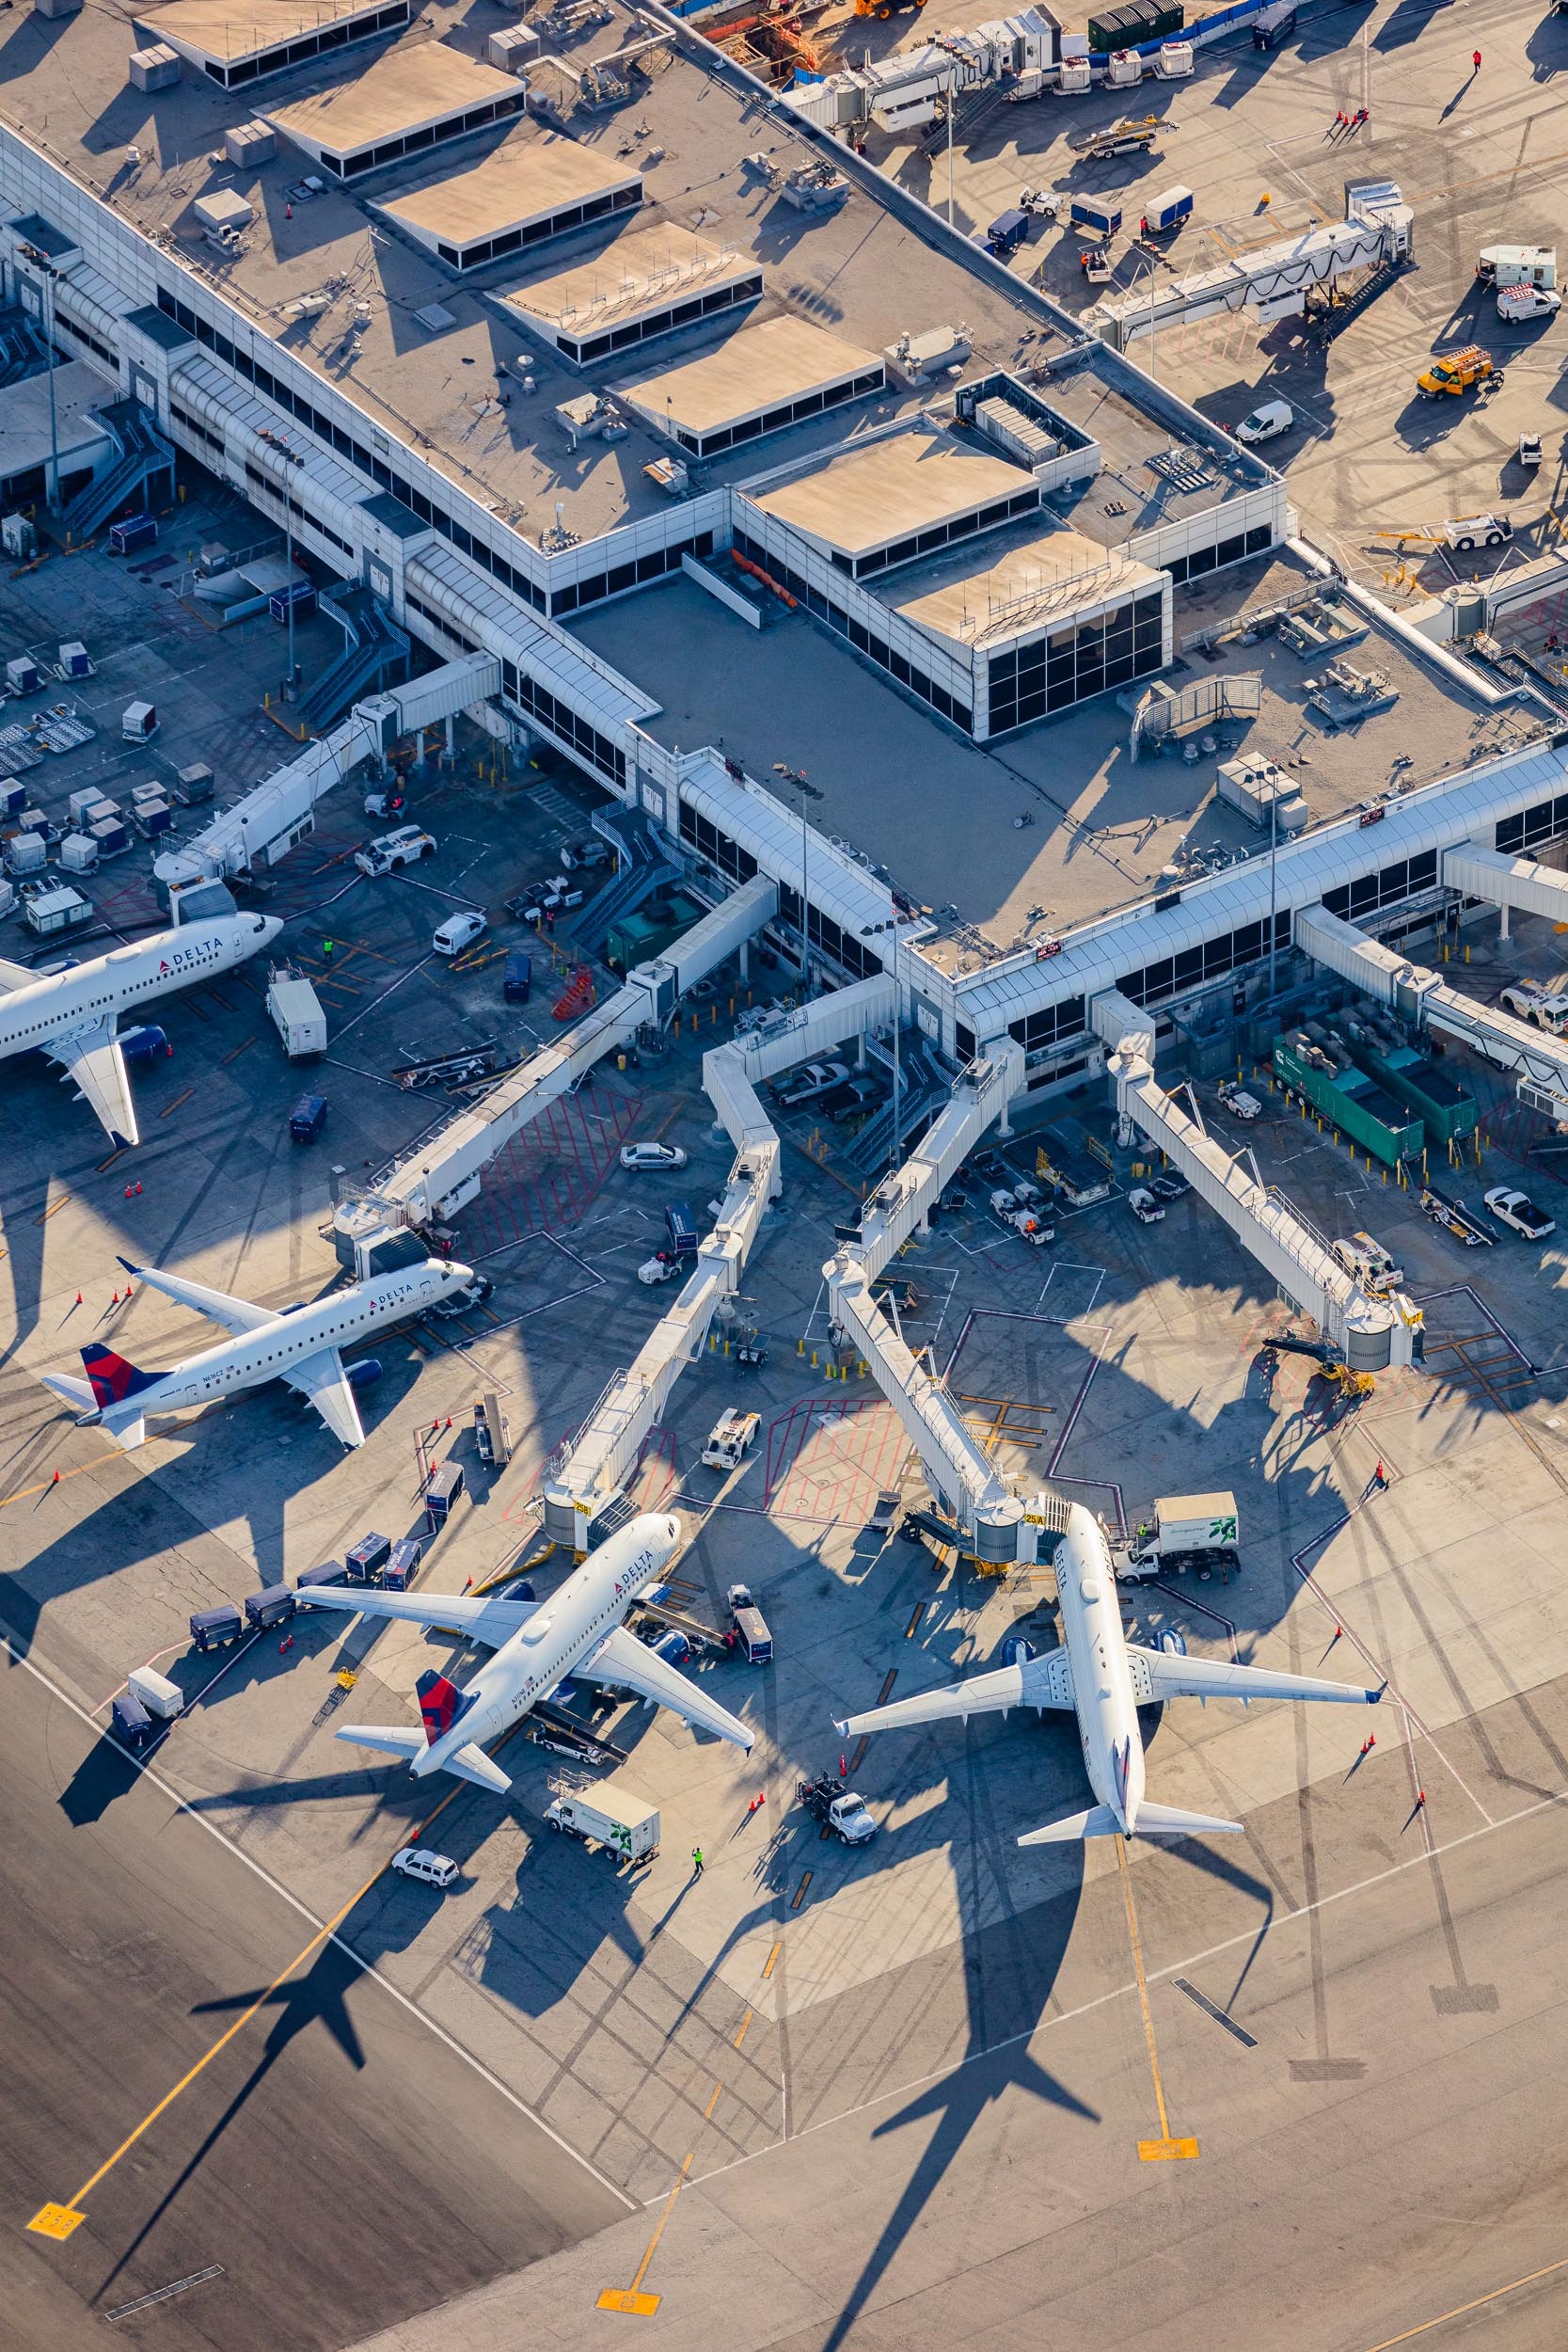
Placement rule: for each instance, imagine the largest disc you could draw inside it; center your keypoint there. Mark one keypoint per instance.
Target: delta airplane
(1107, 1680)
(70, 1015)
(302, 1345)
(537, 1644)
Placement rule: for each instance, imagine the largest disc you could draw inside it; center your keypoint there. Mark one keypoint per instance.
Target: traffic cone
(1421, 1799)
(78, 1298)
(138, 1191)
(128, 1192)
(1371, 1741)
(55, 1480)
(115, 1300)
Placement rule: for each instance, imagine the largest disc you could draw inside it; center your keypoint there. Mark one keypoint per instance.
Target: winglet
(125, 1262)
(1373, 1696)
(841, 1727)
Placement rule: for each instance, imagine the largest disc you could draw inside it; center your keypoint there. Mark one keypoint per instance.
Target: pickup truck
(838, 1808)
(1518, 1212)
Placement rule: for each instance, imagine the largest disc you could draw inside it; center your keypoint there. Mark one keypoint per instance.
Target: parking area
(1257, 137)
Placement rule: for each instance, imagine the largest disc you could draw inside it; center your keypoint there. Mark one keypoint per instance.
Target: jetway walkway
(280, 812)
(1372, 1334)
(443, 1171)
(1507, 882)
(1272, 283)
(582, 1486)
(1417, 995)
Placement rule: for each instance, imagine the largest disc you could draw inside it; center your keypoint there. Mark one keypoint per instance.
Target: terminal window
(1070, 664)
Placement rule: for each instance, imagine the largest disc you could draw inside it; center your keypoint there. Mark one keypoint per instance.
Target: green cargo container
(642, 936)
(1357, 1108)
(1446, 1107)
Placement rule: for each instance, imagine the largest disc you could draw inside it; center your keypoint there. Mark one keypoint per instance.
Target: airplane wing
(1045, 1681)
(93, 1062)
(321, 1379)
(489, 1622)
(235, 1315)
(1160, 1675)
(15, 976)
(630, 1664)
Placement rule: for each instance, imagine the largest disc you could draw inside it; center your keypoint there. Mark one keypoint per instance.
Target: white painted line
(330, 1935)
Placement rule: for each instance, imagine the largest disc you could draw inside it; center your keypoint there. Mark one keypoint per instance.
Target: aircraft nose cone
(271, 926)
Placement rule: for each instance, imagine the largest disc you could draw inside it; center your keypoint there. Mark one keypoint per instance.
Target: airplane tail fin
(442, 1704)
(1099, 1821)
(111, 1378)
(1169, 1820)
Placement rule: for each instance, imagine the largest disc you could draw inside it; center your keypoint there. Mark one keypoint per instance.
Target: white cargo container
(624, 1823)
(157, 1693)
(295, 1010)
(55, 910)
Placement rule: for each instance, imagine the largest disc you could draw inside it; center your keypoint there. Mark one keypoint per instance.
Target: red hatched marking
(830, 1459)
(547, 1178)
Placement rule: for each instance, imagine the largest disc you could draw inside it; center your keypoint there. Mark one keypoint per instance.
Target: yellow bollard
(814, 1360)
(799, 1347)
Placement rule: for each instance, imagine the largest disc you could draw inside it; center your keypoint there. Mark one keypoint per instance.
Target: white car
(1518, 1212)
(430, 1869)
(661, 1267)
(642, 1157)
(1237, 1101)
(459, 932)
(805, 1084)
(406, 847)
(1144, 1206)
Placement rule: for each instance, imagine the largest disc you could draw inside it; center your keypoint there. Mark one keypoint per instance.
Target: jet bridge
(1538, 1060)
(1371, 1334)
(1507, 882)
(441, 1173)
(280, 812)
(1272, 283)
(993, 1523)
(583, 1481)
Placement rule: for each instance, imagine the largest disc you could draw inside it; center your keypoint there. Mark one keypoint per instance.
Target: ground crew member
(1475, 61)
(326, 951)
(696, 1862)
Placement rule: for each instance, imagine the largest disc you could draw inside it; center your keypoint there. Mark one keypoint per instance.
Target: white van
(457, 932)
(1272, 417)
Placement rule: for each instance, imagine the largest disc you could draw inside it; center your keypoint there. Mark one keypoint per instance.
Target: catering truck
(617, 1819)
(294, 1010)
(1186, 1532)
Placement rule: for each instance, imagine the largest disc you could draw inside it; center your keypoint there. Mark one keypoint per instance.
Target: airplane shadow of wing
(956, 2101)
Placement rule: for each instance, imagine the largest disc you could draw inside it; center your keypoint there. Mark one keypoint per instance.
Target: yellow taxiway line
(1165, 2148)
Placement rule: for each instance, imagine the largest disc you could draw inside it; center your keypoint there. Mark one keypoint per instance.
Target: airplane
(70, 1015)
(300, 1344)
(537, 1646)
(1106, 1679)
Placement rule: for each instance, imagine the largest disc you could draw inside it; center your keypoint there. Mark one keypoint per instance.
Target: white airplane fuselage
(128, 978)
(559, 1638)
(338, 1321)
(1096, 1644)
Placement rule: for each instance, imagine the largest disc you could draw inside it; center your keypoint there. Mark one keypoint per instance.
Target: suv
(430, 1869)
(406, 847)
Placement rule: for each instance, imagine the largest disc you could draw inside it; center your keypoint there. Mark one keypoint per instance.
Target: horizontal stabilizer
(471, 1763)
(126, 1426)
(1167, 1820)
(389, 1739)
(74, 1391)
(1099, 1821)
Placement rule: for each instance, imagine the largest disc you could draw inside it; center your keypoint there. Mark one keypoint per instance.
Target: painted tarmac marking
(1164, 2149)
(632, 2300)
(163, 2295)
(53, 1209)
(772, 1961)
(741, 2035)
(1219, 2015)
(169, 1108)
(1461, 2309)
(800, 1891)
(707, 2112)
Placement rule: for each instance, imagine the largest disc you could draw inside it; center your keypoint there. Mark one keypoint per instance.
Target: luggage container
(1099, 216)
(195, 783)
(13, 799)
(139, 722)
(270, 1606)
(56, 910)
(308, 1118)
(1167, 210)
(136, 531)
(299, 598)
(130, 1721)
(403, 1563)
(110, 834)
(681, 1226)
(26, 853)
(365, 1561)
(157, 1693)
(152, 818)
(210, 1628)
(330, 1572)
(22, 676)
(1007, 231)
(441, 1493)
(78, 853)
(518, 978)
(73, 661)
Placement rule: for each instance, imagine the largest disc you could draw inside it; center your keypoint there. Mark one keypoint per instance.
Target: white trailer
(295, 1013)
(619, 1821)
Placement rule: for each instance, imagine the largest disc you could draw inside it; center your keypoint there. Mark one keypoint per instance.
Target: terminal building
(745, 468)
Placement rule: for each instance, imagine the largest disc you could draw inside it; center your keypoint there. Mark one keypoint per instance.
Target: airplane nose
(672, 1528)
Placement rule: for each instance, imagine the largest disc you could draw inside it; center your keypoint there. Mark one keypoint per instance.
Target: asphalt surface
(339, 2160)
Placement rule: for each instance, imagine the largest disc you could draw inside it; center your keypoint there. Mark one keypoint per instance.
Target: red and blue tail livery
(112, 1379)
(441, 1705)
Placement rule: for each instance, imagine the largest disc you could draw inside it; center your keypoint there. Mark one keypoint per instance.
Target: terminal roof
(533, 173)
(759, 367)
(981, 594)
(215, 28)
(909, 482)
(395, 93)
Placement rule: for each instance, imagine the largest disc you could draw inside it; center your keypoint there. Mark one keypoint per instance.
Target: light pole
(1273, 879)
(869, 931)
(290, 460)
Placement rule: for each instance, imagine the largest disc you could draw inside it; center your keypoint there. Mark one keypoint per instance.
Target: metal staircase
(144, 456)
(376, 656)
